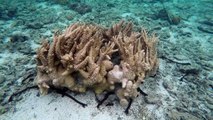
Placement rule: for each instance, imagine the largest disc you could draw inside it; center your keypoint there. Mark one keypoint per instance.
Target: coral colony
(90, 57)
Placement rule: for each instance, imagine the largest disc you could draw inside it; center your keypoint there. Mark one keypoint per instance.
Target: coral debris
(84, 56)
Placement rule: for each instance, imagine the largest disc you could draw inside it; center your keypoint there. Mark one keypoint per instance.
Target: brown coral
(84, 57)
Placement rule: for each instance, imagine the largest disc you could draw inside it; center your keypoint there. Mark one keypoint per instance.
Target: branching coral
(84, 56)
(138, 58)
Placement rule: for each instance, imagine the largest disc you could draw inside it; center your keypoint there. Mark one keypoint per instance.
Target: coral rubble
(92, 57)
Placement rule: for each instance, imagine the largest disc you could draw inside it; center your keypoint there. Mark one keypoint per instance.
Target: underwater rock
(25, 49)
(166, 15)
(18, 37)
(81, 8)
(111, 5)
(19, 42)
(162, 14)
(206, 26)
(185, 33)
(189, 69)
(27, 78)
(11, 12)
(206, 29)
(207, 22)
(168, 85)
(35, 25)
(7, 13)
(174, 19)
(152, 98)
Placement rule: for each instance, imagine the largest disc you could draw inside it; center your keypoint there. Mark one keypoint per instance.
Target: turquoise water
(185, 48)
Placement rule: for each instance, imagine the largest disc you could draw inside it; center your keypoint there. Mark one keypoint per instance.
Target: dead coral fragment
(83, 57)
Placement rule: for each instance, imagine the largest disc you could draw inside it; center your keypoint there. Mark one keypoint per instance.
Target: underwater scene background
(182, 88)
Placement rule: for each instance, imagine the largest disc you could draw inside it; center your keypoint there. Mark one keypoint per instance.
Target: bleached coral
(84, 56)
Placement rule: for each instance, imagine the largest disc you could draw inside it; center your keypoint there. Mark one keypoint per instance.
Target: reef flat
(181, 89)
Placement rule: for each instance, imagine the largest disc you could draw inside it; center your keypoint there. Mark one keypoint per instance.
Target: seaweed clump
(83, 58)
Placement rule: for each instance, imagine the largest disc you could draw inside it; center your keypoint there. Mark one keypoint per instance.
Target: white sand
(55, 107)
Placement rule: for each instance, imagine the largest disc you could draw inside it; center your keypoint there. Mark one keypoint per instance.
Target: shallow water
(183, 85)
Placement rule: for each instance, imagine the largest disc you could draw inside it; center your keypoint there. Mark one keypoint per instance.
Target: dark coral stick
(129, 105)
(105, 98)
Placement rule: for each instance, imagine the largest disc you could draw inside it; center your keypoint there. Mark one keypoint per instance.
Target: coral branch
(83, 58)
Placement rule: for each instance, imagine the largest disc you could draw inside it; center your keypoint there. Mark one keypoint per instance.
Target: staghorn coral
(138, 58)
(84, 56)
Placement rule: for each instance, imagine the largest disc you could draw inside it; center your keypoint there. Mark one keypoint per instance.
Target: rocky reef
(92, 57)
